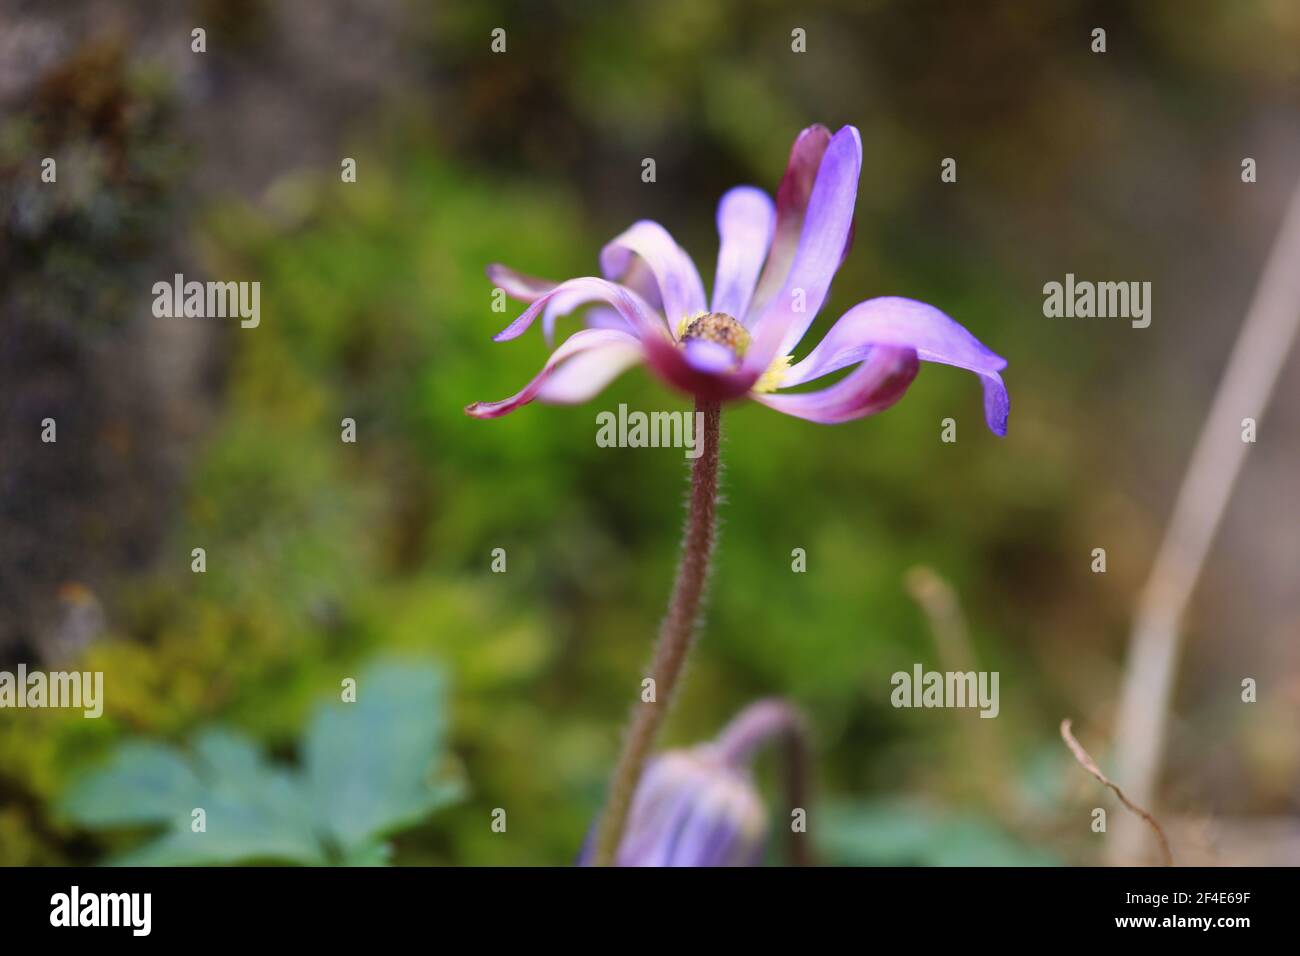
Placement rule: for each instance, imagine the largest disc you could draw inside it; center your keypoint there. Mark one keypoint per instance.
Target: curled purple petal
(565, 303)
(678, 280)
(873, 386)
(518, 285)
(573, 387)
(907, 323)
(586, 374)
(826, 229)
(526, 288)
(628, 304)
(745, 221)
(791, 207)
(997, 403)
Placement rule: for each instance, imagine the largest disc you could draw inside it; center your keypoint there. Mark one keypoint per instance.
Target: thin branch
(1088, 764)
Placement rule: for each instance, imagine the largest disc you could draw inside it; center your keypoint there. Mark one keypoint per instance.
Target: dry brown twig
(1257, 358)
(1087, 763)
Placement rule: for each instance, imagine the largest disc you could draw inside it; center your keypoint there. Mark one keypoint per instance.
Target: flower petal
(640, 279)
(872, 387)
(745, 222)
(603, 317)
(678, 280)
(791, 206)
(826, 229)
(724, 827)
(906, 323)
(587, 373)
(689, 810)
(586, 341)
(561, 305)
(529, 289)
(518, 285)
(628, 304)
(711, 357)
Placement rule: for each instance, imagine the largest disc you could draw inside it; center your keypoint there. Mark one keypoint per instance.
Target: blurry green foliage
(366, 773)
(890, 833)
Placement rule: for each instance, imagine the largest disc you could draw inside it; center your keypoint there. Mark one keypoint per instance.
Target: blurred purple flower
(775, 266)
(691, 809)
(699, 806)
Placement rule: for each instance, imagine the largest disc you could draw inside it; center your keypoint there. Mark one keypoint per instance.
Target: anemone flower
(698, 806)
(775, 265)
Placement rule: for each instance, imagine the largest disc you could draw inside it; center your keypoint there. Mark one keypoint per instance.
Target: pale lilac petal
(791, 207)
(578, 343)
(629, 305)
(678, 280)
(603, 317)
(641, 279)
(659, 796)
(657, 847)
(906, 323)
(517, 285)
(711, 357)
(691, 811)
(526, 288)
(872, 387)
(586, 374)
(561, 305)
(566, 303)
(711, 834)
(745, 222)
(826, 229)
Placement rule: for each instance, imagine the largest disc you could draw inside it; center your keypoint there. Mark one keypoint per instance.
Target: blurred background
(327, 560)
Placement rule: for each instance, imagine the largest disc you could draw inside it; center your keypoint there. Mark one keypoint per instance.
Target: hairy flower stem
(676, 635)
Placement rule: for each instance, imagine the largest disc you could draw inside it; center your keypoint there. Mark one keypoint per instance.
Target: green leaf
(143, 783)
(365, 775)
(890, 833)
(369, 763)
(369, 854)
(251, 811)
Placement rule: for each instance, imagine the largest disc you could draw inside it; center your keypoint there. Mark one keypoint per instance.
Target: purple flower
(693, 809)
(699, 806)
(775, 266)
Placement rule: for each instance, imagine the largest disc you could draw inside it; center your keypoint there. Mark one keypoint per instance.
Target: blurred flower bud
(699, 806)
(692, 809)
